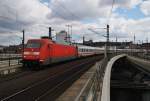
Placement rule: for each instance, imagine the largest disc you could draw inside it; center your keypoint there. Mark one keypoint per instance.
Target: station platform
(7, 63)
(10, 69)
(9, 66)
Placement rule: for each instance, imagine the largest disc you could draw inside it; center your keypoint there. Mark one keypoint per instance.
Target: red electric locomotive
(45, 51)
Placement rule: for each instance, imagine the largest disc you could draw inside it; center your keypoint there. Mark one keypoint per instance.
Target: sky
(126, 19)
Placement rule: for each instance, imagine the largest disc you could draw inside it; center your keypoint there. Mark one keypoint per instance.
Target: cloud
(87, 9)
(127, 28)
(145, 7)
(76, 9)
(36, 15)
(18, 14)
(129, 4)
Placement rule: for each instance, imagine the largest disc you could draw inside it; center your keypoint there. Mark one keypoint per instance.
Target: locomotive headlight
(26, 53)
(36, 53)
(31, 53)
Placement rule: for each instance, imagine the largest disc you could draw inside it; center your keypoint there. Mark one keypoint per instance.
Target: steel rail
(61, 83)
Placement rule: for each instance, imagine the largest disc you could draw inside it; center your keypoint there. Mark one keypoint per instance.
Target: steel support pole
(23, 39)
(107, 42)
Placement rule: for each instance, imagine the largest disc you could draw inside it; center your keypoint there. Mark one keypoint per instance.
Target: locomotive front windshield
(33, 44)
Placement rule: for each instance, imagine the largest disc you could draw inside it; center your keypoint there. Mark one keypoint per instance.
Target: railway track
(24, 71)
(51, 85)
(20, 73)
(53, 93)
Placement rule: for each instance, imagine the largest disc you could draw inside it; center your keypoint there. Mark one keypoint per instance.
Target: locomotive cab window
(33, 44)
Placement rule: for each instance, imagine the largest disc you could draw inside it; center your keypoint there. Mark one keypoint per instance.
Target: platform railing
(92, 90)
(10, 59)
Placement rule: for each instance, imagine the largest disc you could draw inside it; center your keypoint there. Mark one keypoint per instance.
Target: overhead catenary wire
(67, 10)
(109, 15)
(57, 13)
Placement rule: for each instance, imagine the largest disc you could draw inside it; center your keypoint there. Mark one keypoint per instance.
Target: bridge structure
(122, 78)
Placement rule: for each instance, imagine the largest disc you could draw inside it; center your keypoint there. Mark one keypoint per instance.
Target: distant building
(12, 49)
(63, 38)
(88, 42)
(121, 45)
(1, 49)
(146, 46)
